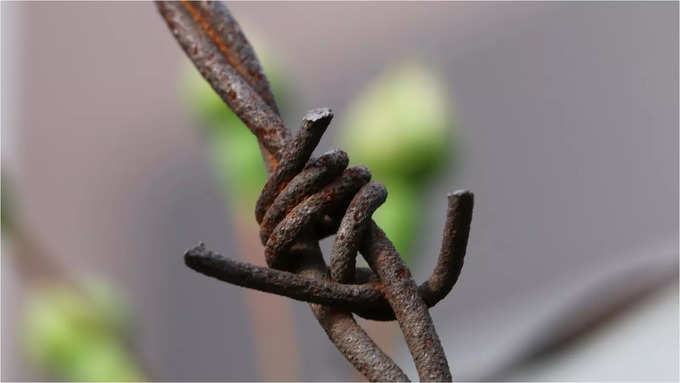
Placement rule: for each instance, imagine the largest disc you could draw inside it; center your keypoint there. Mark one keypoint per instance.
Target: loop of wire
(306, 199)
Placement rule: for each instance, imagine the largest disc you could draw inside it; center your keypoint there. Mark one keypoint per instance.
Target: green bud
(400, 126)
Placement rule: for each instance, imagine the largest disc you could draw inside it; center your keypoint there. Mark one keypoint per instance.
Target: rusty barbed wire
(305, 200)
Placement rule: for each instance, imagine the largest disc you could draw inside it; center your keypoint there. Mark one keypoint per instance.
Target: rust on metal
(305, 200)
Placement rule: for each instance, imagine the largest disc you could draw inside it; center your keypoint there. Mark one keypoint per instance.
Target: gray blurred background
(568, 127)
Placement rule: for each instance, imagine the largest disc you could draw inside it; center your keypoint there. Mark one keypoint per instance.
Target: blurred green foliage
(79, 335)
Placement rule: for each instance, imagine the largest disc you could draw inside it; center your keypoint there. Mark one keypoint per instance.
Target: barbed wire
(307, 199)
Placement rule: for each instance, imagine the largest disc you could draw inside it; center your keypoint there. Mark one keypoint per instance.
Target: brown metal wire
(305, 200)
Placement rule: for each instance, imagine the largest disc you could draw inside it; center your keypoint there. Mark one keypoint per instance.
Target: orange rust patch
(205, 25)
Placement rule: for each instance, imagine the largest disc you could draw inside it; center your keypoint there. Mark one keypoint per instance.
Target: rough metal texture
(294, 157)
(305, 200)
(352, 228)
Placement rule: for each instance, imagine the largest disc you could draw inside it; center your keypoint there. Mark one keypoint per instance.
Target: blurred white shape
(638, 341)
(641, 345)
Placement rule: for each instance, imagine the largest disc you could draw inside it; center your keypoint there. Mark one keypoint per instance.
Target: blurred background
(562, 118)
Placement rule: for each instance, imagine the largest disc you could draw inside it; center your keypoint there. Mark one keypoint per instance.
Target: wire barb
(305, 200)
(294, 157)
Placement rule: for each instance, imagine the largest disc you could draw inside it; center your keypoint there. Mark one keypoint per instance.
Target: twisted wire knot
(306, 200)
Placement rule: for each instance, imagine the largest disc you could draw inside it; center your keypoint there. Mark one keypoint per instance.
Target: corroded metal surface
(307, 199)
(294, 157)
(351, 230)
(217, 60)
